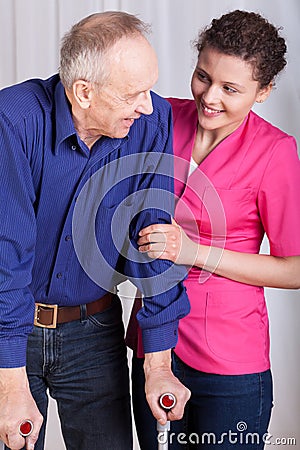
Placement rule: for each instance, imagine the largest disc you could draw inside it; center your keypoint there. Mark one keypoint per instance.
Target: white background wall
(30, 31)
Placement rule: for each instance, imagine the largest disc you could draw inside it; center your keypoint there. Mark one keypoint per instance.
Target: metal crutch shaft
(167, 401)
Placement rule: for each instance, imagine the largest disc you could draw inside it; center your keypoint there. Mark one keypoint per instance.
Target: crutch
(167, 401)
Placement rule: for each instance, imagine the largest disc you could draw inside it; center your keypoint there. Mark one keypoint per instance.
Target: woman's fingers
(153, 247)
(157, 228)
(161, 241)
(160, 250)
(152, 238)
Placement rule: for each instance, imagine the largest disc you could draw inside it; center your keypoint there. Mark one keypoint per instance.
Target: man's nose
(145, 103)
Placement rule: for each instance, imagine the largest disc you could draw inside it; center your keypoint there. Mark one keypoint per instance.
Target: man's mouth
(129, 120)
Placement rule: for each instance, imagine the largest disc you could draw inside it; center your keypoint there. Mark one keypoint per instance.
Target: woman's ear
(264, 93)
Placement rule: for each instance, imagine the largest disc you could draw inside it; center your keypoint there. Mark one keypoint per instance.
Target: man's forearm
(157, 360)
(13, 379)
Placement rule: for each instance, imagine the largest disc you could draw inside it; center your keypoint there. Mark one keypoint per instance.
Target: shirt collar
(63, 118)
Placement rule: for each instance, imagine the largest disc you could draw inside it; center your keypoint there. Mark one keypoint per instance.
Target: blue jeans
(224, 412)
(83, 365)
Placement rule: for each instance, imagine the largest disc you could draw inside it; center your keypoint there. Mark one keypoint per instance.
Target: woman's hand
(168, 241)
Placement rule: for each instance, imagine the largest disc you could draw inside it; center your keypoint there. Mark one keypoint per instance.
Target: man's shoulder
(161, 108)
(28, 97)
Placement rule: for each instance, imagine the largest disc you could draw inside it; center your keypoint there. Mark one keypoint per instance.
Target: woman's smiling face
(224, 90)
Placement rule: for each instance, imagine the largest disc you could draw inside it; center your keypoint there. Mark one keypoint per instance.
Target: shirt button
(68, 238)
(59, 275)
(74, 147)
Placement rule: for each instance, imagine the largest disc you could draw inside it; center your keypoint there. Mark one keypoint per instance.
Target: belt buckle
(54, 317)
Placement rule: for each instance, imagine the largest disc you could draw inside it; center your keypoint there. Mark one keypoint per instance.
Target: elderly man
(94, 120)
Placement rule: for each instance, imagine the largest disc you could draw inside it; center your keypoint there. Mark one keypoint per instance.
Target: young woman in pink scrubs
(237, 177)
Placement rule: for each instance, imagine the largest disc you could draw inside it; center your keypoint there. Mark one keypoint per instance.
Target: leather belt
(48, 316)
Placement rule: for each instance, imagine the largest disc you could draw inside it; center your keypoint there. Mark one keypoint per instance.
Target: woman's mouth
(210, 112)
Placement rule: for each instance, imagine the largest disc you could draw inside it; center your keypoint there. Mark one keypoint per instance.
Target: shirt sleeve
(18, 232)
(165, 300)
(278, 199)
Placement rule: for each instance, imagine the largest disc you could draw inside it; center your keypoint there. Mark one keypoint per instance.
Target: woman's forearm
(172, 243)
(254, 269)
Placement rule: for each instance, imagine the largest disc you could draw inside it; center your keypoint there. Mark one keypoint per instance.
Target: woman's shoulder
(182, 106)
(185, 114)
(266, 127)
(271, 146)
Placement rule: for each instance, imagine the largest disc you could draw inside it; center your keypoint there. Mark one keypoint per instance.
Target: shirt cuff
(161, 338)
(13, 352)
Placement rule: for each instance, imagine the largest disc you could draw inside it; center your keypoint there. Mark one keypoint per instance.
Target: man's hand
(17, 405)
(159, 380)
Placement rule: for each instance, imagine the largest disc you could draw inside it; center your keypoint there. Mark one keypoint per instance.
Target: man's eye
(202, 76)
(130, 100)
(230, 89)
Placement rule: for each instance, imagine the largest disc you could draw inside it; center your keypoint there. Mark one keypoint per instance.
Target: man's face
(125, 95)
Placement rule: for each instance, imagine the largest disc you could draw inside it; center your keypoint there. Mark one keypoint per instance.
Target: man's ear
(82, 93)
(264, 93)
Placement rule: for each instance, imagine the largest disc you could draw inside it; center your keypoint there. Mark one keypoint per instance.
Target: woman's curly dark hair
(249, 36)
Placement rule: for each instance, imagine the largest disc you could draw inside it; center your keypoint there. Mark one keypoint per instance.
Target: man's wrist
(157, 361)
(13, 379)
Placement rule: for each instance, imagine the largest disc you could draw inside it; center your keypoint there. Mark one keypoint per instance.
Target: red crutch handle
(167, 401)
(25, 428)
